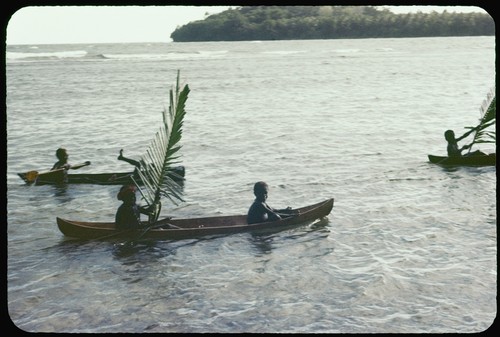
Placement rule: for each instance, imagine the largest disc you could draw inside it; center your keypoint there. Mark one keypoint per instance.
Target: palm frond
(157, 163)
(488, 119)
(486, 105)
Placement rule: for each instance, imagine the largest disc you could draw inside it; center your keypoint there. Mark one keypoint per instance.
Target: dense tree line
(329, 22)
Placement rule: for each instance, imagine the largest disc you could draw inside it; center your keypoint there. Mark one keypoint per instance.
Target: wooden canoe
(57, 177)
(473, 160)
(174, 229)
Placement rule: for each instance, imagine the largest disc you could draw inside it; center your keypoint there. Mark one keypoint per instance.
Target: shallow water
(408, 247)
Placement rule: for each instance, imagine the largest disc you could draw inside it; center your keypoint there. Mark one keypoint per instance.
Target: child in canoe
(260, 211)
(128, 160)
(62, 160)
(177, 172)
(62, 163)
(128, 215)
(453, 149)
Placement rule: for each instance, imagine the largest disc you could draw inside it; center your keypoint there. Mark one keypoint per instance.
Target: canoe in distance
(57, 177)
(175, 229)
(472, 160)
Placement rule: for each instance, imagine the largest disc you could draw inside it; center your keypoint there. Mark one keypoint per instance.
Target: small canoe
(57, 177)
(472, 160)
(173, 229)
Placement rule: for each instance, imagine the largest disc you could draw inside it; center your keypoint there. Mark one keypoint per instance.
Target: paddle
(77, 166)
(31, 176)
(287, 212)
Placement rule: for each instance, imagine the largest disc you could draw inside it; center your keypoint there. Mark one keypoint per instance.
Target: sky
(106, 24)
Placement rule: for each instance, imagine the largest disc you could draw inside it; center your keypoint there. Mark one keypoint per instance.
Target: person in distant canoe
(177, 171)
(260, 211)
(128, 215)
(453, 149)
(62, 163)
(128, 160)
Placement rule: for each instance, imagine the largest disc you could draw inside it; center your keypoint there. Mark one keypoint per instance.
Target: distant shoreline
(264, 23)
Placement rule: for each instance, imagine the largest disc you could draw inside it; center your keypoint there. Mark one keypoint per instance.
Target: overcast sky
(100, 24)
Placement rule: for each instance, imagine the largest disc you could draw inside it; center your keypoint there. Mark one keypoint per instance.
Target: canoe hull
(57, 177)
(473, 160)
(175, 229)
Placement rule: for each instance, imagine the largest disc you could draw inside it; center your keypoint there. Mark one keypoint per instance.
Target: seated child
(128, 215)
(260, 211)
(452, 148)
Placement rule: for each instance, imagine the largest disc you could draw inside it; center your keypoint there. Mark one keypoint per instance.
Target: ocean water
(408, 247)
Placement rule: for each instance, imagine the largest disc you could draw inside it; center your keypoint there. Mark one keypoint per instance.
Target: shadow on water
(154, 248)
(126, 252)
(149, 249)
(129, 248)
(263, 241)
(70, 246)
(62, 194)
(474, 170)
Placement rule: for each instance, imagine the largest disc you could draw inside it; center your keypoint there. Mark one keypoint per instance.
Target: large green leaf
(482, 131)
(157, 163)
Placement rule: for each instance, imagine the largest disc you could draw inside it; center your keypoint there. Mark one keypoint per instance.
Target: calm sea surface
(408, 247)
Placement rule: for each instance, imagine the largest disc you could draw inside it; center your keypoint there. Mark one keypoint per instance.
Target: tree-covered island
(249, 23)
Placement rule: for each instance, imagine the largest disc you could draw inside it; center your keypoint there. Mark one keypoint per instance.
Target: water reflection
(61, 193)
(150, 247)
(474, 170)
(130, 248)
(129, 251)
(40, 195)
(68, 246)
(263, 242)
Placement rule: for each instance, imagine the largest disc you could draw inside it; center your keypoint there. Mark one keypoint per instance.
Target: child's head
(449, 135)
(127, 194)
(61, 154)
(260, 190)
